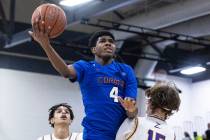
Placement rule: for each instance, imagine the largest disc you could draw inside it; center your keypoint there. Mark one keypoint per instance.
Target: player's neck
(61, 132)
(103, 61)
(158, 114)
(157, 117)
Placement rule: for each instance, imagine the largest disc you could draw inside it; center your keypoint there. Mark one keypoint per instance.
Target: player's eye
(67, 112)
(111, 40)
(102, 40)
(58, 111)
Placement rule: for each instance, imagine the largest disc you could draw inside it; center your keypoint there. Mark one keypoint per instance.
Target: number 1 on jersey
(114, 94)
(157, 136)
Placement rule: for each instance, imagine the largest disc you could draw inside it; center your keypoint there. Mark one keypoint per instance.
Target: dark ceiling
(72, 44)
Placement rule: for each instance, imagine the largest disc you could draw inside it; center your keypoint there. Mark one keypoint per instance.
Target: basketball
(53, 16)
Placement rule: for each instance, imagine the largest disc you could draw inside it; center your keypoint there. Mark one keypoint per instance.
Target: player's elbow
(68, 75)
(63, 73)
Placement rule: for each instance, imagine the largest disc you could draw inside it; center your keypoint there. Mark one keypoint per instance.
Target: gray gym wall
(26, 97)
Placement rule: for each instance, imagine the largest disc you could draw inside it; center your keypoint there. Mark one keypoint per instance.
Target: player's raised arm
(41, 34)
(58, 63)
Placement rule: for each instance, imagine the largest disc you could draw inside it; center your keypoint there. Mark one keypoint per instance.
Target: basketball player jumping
(101, 82)
(163, 99)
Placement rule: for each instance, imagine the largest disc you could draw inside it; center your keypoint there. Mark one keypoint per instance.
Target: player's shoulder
(77, 136)
(123, 66)
(82, 62)
(45, 137)
(169, 128)
(134, 121)
(141, 120)
(138, 118)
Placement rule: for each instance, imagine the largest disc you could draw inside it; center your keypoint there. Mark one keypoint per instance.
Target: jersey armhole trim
(136, 123)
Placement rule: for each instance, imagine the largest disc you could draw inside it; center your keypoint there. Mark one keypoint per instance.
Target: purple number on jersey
(158, 136)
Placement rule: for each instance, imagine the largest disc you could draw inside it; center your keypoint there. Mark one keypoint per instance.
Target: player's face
(105, 47)
(61, 116)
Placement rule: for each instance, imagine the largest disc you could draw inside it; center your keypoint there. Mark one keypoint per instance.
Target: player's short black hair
(164, 95)
(53, 109)
(93, 39)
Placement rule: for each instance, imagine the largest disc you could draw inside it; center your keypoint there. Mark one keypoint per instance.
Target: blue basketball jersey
(100, 87)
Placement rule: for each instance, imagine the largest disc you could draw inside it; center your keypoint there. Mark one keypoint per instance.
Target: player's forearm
(57, 62)
(132, 113)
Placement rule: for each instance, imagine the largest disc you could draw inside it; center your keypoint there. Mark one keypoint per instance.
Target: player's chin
(107, 55)
(64, 121)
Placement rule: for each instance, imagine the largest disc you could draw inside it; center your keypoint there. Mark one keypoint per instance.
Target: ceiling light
(73, 2)
(192, 70)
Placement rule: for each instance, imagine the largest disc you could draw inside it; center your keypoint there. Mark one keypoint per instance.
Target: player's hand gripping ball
(53, 18)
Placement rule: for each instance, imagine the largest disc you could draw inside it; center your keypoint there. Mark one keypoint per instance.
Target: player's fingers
(42, 26)
(36, 26)
(33, 24)
(48, 30)
(124, 103)
(129, 99)
(30, 33)
(121, 100)
(133, 102)
(42, 15)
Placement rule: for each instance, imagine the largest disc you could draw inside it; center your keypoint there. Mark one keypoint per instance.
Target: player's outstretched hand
(128, 104)
(40, 33)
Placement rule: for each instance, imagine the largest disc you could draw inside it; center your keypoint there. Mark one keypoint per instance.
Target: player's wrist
(45, 44)
(132, 113)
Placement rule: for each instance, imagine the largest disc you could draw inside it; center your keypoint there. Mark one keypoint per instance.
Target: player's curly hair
(164, 95)
(93, 39)
(53, 109)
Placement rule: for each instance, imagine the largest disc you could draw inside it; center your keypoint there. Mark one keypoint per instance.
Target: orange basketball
(53, 16)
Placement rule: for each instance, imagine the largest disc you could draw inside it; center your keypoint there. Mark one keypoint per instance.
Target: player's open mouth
(63, 117)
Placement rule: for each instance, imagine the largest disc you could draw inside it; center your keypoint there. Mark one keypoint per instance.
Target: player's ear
(70, 121)
(51, 121)
(93, 50)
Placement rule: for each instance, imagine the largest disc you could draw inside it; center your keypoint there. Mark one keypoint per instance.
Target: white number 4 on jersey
(114, 94)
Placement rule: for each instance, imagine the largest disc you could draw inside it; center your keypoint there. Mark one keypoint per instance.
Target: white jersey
(145, 128)
(74, 136)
